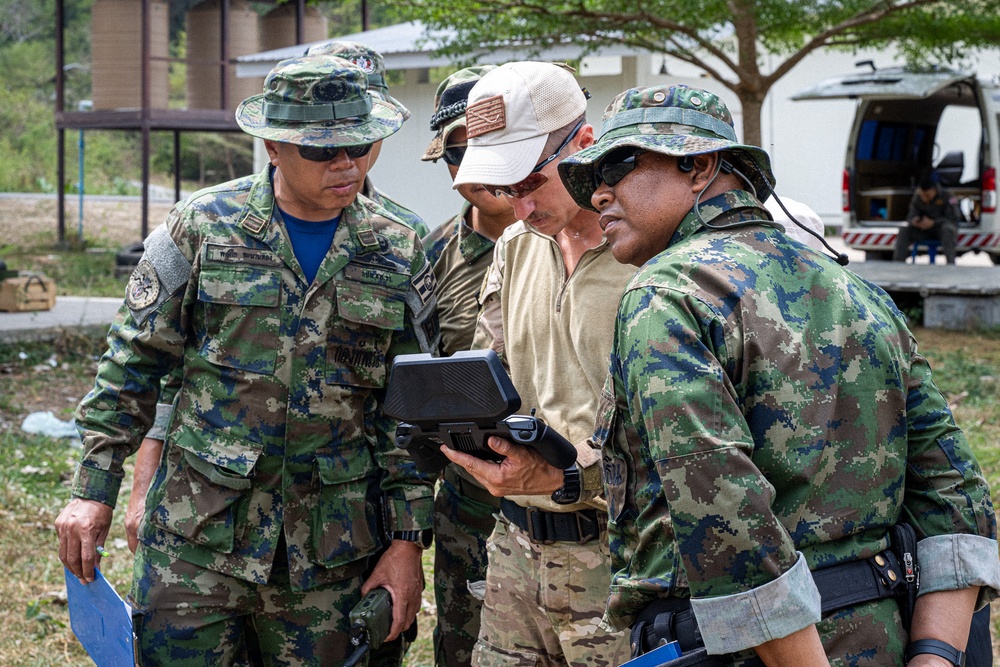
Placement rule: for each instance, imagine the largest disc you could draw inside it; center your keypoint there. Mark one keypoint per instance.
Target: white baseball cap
(511, 112)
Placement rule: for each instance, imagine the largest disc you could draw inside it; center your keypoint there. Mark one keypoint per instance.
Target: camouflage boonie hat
(366, 58)
(450, 100)
(672, 120)
(318, 101)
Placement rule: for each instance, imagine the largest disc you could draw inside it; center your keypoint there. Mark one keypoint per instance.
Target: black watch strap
(572, 488)
(421, 537)
(938, 648)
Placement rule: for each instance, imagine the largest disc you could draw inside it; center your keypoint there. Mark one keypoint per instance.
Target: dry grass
(33, 221)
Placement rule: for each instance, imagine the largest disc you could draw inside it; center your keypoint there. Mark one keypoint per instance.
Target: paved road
(71, 312)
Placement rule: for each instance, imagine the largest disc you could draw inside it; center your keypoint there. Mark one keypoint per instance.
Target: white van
(906, 123)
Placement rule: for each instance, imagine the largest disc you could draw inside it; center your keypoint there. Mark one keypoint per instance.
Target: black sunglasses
(453, 154)
(616, 165)
(327, 153)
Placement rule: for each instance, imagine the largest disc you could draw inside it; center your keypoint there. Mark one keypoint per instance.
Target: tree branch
(827, 37)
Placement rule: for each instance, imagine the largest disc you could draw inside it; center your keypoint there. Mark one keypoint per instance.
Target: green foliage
(728, 39)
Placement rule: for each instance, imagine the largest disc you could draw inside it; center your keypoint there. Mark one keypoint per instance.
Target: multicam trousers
(544, 603)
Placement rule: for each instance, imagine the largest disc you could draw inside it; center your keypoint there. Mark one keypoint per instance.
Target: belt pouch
(903, 543)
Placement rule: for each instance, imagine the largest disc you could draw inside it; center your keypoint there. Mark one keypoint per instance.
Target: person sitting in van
(933, 216)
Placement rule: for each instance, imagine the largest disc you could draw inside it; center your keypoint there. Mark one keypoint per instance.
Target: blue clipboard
(661, 655)
(101, 620)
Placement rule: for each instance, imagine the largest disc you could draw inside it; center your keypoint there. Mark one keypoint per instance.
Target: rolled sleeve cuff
(954, 562)
(159, 429)
(407, 515)
(96, 484)
(731, 623)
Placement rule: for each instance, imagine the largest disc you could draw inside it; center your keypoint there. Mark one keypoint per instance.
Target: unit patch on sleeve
(162, 270)
(143, 286)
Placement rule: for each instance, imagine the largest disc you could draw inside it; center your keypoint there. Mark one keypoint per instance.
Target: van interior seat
(950, 168)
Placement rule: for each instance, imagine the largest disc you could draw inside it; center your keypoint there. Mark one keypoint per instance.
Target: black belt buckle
(529, 513)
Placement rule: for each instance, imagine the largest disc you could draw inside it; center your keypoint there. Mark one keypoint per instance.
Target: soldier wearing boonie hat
(373, 65)
(280, 297)
(460, 251)
(673, 120)
(548, 302)
(739, 405)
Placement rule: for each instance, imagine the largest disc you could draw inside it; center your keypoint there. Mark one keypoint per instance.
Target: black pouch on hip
(903, 543)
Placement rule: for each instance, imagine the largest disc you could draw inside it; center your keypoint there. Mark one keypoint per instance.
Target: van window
(959, 133)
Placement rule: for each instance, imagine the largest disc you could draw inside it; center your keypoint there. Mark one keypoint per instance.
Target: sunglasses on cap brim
(534, 180)
(327, 153)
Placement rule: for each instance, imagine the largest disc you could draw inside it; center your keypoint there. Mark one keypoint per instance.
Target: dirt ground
(111, 222)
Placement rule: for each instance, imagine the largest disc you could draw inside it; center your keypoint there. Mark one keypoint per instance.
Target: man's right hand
(82, 526)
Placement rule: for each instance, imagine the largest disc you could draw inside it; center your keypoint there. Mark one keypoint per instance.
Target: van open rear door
(891, 83)
(907, 123)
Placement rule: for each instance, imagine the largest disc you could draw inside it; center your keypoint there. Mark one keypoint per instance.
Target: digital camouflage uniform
(463, 510)
(767, 413)
(544, 601)
(397, 210)
(280, 478)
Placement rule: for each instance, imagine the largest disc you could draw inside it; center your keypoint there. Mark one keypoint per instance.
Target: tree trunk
(751, 105)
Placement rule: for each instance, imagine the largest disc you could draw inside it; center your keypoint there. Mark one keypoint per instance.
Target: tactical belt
(548, 527)
(841, 585)
(467, 489)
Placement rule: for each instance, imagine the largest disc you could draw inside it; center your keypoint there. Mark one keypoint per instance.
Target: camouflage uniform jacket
(400, 212)
(767, 412)
(281, 380)
(460, 256)
(553, 333)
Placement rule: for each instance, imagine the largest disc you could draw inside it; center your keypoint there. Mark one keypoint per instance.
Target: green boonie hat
(368, 59)
(672, 120)
(318, 101)
(450, 100)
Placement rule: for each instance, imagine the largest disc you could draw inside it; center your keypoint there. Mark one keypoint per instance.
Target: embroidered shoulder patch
(143, 286)
(485, 116)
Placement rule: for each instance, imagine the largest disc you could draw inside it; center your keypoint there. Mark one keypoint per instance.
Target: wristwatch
(938, 648)
(420, 537)
(572, 487)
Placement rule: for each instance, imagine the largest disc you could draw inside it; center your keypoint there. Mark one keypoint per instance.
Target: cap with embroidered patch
(511, 112)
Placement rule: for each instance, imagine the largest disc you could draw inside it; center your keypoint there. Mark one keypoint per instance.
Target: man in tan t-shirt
(548, 305)
(460, 252)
